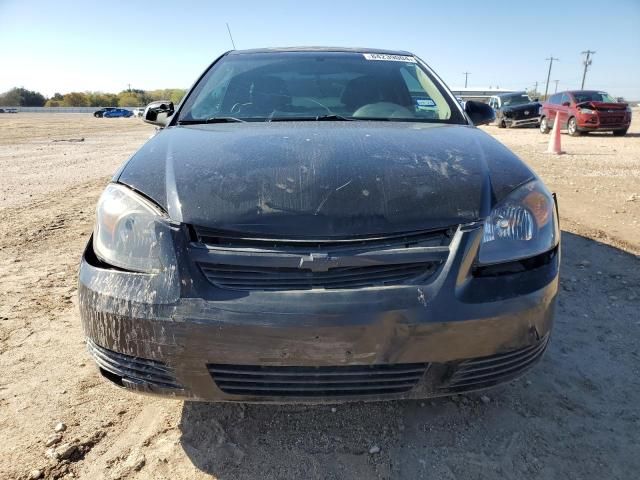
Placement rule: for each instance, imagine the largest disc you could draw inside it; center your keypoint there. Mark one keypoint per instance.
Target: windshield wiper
(332, 117)
(199, 121)
(317, 118)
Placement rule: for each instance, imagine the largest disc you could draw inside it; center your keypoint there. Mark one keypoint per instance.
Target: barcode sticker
(389, 58)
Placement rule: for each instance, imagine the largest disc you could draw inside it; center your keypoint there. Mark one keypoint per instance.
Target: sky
(64, 45)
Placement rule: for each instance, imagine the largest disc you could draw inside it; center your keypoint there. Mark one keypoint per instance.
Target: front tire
(620, 133)
(501, 124)
(572, 127)
(544, 126)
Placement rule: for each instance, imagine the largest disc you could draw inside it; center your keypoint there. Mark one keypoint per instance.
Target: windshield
(515, 100)
(593, 97)
(309, 85)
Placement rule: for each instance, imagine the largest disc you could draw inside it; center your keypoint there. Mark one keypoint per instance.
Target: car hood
(324, 179)
(603, 106)
(522, 106)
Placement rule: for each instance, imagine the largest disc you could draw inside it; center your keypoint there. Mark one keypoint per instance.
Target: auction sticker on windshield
(389, 58)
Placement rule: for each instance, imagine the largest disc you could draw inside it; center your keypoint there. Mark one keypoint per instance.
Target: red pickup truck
(581, 111)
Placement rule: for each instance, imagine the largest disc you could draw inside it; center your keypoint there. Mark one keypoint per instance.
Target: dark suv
(515, 109)
(581, 111)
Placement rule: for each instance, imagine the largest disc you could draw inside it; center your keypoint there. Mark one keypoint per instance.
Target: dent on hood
(324, 178)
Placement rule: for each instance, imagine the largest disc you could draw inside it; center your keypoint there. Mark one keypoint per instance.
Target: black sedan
(319, 225)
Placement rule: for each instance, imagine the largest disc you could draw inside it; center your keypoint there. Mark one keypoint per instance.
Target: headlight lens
(587, 111)
(129, 230)
(523, 225)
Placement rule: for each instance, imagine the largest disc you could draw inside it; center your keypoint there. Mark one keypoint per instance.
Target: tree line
(21, 97)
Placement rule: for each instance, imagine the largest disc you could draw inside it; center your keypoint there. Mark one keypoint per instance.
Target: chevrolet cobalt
(319, 225)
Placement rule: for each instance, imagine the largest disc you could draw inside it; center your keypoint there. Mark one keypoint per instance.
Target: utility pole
(546, 88)
(129, 85)
(556, 90)
(466, 76)
(587, 63)
(232, 42)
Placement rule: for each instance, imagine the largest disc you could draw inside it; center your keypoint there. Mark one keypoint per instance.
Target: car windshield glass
(515, 100)
(309, 85)
(593, 97)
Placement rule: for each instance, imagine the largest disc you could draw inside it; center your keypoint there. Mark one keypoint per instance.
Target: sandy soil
(576, 416)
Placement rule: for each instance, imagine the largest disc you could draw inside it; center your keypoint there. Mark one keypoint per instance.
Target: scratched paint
(350, 177)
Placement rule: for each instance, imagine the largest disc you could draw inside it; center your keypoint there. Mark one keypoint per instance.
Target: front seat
(269, 94)
(361, 91)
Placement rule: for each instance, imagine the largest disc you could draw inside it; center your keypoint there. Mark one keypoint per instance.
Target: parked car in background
(117, 112)
(582, 111)
(100, 113)
(8, 110)
(515, 109)
(320, 225)
(138, 112)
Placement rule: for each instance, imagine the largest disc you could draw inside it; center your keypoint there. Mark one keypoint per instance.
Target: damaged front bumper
(464, 329)
(522, 122)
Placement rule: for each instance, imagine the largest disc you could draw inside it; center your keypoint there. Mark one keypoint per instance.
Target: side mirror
(566, 104)
(480, 113)
(158, 113)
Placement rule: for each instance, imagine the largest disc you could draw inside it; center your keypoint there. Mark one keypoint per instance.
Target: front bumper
(182, 337)
(596, 123)
(522, 122)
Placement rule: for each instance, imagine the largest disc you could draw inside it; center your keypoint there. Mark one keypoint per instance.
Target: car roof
(582, 91)
(320, 49)
(511, 93)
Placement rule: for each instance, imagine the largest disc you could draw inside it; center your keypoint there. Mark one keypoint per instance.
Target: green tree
(21, 97)
(76, 99)
(126, 99)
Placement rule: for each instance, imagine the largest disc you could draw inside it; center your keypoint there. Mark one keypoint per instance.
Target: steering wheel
(383, 109)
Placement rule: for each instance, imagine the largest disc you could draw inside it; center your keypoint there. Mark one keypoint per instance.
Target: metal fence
(61, 109)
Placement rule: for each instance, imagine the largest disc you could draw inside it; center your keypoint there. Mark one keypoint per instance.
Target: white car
(138, 112)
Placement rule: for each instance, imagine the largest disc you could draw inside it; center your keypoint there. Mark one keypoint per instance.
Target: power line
(231, 37)
(546, 88)
(587, 63)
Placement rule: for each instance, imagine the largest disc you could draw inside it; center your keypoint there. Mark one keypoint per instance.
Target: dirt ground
(576, 416)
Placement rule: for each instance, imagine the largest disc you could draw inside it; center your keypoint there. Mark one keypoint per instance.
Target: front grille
(281, 278)
(521, 115)
(134, 369)
(485, 372)
(222, 238)
(351, 380)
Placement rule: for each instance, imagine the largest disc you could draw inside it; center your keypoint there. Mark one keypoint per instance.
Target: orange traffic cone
(554, 141)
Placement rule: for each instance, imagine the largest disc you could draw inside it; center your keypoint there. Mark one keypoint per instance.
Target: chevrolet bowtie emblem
(317, 262)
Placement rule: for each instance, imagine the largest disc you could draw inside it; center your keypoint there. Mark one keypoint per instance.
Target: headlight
(523, 225)
(130, 231)
(587, 110)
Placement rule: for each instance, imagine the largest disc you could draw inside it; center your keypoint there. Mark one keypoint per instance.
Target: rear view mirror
(480, 113)
(158, 113)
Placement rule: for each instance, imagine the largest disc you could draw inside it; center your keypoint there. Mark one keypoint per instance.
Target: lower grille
(485, 372)
(134, 369)
(282, 278)
(352, 380)
(611, 120)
